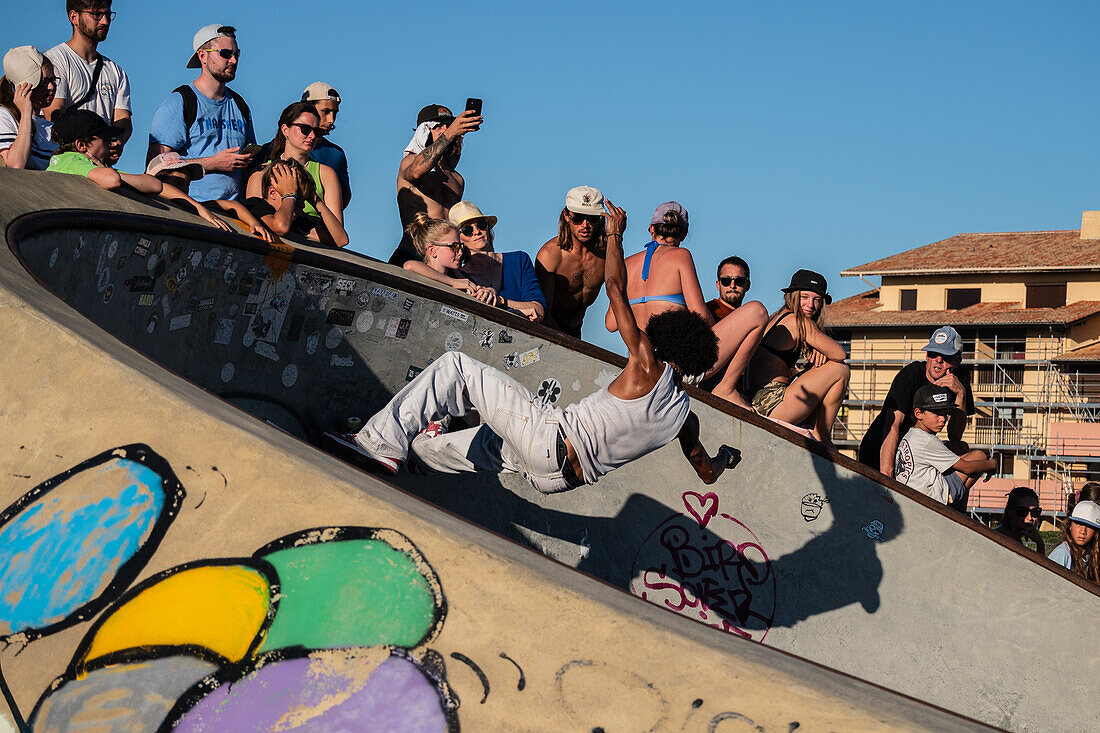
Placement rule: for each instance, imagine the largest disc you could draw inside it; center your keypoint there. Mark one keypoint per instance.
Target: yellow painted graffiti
(221, 608)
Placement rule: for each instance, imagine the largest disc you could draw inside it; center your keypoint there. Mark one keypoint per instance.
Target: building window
(958, 298)
(1047, 295)
(908, 300)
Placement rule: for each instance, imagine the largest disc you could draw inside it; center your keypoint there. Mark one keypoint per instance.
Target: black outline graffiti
(477, 670)
(522, 677)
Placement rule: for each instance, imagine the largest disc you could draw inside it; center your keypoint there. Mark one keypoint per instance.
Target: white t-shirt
(920, 462)
(41, 146)
(74, 76)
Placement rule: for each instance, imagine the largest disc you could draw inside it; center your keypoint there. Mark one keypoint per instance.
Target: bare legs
(738, 334)
(819, 393)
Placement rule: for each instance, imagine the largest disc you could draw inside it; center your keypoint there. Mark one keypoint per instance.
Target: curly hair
(683, 339)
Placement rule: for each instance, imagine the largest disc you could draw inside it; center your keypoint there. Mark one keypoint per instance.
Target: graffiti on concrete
(811, 506)
(707, 565)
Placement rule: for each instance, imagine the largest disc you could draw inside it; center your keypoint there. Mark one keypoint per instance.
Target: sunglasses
(305, 129)
(455, 247)
(468, 229)
(578, 219)
(1023, 511)
(741, 282)
(225, 53)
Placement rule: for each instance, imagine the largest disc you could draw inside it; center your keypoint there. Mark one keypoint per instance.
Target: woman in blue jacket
(511, 275)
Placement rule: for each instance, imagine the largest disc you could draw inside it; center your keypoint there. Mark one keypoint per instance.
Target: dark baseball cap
(77, 124)
(934, 398)
(434, 113)
(809, 280)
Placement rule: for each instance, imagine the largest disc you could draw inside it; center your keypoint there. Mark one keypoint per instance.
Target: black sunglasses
(468, 229)
(455, 247)
(579, 219)
(306, 129)
(739, 281)
(1023, 511)
(225, 53)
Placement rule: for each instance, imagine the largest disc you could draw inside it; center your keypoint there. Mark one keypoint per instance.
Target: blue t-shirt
(219, 125)
(333, 156)
(1060, 555)
(518, 280)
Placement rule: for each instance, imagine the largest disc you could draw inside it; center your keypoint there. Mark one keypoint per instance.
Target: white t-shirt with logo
(920, 462)
(42, 147)
(74, 77)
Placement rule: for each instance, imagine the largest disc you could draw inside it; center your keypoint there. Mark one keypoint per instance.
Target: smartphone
(473, 104)
(250, 149)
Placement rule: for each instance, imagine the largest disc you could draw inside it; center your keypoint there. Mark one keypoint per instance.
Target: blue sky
(797, 134)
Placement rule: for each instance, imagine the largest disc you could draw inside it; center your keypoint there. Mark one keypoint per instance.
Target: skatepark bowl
(179, 542)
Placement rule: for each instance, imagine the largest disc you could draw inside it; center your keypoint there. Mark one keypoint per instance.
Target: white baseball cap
(1088, 513)
(23, 64)
(585, 200)
(205, 35)
(319, 91)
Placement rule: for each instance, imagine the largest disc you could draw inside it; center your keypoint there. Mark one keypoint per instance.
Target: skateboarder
(556, 449)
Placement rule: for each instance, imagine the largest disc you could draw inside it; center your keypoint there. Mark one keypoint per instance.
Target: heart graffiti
(702, 506)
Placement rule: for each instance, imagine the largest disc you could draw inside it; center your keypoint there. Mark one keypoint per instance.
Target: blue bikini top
(677, 298)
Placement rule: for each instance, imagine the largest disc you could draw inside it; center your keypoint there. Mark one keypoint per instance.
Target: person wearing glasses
(942, 366)
(570, 266)
(510, 275)
(26, 89)
(86, 79)
(732, 283)
(296, 135)
(1021, 518)
(426, 178)
(443, 256)
(662, 277)
(206, 121)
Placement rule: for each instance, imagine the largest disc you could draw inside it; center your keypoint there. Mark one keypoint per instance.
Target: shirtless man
(427, 180)
(555, 449)
(570, 266)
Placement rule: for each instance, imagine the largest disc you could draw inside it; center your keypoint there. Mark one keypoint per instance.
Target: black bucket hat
(809, 280)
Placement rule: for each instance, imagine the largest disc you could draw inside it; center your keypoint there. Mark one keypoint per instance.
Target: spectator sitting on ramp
(941, 367)
(1021, 517)
(555, 449)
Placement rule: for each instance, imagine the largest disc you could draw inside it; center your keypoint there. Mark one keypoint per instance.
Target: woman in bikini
(795, 331)
(662, 277)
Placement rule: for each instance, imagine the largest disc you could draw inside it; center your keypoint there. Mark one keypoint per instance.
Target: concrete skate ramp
(796, 548)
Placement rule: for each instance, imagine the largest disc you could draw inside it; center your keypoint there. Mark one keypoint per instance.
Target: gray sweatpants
(516, 435)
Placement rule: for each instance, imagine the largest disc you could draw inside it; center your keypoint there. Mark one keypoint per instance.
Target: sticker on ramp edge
(412, 373)
(340, 317)
(453, 313)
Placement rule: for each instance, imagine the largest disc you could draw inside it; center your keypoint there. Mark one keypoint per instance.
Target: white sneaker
(389, 466)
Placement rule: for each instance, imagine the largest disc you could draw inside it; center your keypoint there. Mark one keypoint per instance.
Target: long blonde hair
(424, 229)
(792, 303)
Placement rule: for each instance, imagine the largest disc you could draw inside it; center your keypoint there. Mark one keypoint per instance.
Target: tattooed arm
(414, 167)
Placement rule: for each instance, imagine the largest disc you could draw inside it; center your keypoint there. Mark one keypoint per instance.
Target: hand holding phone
(473, 104)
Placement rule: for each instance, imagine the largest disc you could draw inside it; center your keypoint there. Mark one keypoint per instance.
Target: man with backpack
(206, 121)
(86, 79)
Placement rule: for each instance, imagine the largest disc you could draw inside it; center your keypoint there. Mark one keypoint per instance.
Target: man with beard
(732, 284)
(87, 79)
(207, 122)
(426, 179)
(942, 367)
(570, 266)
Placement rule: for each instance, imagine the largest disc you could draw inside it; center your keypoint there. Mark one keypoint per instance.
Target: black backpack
(191, 106)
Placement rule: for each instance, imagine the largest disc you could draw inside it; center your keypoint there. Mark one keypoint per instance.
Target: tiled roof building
(1027, 305)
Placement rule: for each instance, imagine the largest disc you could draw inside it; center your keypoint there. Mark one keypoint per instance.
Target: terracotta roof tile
(992, 252)
(859, 311)
(1085, 353)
